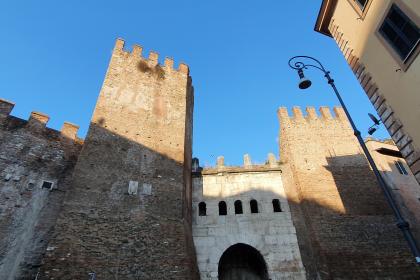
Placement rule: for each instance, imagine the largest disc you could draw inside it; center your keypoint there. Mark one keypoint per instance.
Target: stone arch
(242, 262)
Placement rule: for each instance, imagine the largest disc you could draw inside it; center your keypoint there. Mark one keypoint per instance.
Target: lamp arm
(401, 222)
(299, 64)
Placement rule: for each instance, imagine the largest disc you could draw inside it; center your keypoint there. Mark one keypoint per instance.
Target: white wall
(272, 234)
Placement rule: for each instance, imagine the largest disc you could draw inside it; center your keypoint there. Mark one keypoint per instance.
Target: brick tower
(127, 215)
(344, 227)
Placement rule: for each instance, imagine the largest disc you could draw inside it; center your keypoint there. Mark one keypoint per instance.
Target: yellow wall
(401, 89)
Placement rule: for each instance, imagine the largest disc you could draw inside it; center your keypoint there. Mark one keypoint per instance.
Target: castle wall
(404, 186)
(271, 233)
(30, 154)
(127, 216)
(343, 223)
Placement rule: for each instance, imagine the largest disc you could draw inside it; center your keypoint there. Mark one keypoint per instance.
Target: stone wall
(127, 216)
(404, 186)
(31, 154)
(345, 228)
(271, 233)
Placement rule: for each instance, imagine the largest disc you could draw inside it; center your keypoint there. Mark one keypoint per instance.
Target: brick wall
(30, 154)
(343, 223)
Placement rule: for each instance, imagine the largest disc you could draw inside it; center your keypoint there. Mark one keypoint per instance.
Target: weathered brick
(28, 210)
(140, 132)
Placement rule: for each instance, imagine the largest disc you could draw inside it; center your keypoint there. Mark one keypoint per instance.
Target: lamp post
(297, 64)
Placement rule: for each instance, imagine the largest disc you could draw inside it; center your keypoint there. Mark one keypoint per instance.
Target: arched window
(276, 205)
(202, 209)
(254, 206)
(222, 208)
(238, 207)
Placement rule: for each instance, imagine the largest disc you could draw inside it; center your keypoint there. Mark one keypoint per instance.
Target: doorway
(242, 262)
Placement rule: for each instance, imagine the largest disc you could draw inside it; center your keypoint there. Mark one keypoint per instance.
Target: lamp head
(304, 83)
(371, 130)
(374, 119)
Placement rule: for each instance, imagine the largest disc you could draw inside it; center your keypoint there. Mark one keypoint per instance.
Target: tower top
(152, 60)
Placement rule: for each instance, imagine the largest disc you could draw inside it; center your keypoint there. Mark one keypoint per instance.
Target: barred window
(401, 168)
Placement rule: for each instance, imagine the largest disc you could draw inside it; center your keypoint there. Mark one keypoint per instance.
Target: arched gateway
(242, 262)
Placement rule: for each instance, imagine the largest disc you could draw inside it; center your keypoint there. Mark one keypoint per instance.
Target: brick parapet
(391, 121)
(271, 165)
(6, 107)
(36, 123)
(153, 58)
(311, 114)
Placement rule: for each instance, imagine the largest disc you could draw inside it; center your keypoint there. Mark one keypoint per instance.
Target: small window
(238, 207)
(362, 4)
(361, 7)
(222, 208)
(202, 209)
(400, 32)
(254, 206)
(30, 186)
(401, 168)
(47, 185)
(276, 205)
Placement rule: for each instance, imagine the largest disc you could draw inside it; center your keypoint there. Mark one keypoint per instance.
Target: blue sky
(54, 55)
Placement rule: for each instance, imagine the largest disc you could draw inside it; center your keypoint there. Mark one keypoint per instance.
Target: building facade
(237, 209)
(129, 202)
(381, 41)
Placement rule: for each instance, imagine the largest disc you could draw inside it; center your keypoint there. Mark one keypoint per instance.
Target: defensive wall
(36, 165)
(344, 226)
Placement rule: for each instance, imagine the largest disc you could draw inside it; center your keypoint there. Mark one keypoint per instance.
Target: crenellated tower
(343, 223)
(128, 213)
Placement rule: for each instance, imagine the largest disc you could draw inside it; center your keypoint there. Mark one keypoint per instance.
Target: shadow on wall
(123, 217)
(406, 194)
(36, 164)
(356, 234)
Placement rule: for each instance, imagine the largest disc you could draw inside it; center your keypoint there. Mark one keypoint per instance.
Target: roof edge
(324, 16)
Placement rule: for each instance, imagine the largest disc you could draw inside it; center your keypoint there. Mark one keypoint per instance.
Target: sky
(54, 55)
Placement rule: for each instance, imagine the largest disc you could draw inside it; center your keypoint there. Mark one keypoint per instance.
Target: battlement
(153, 58)
(311, 114)
(6, 107)
(271, 164)
(37, 121)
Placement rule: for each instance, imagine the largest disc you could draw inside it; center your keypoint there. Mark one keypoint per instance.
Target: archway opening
(242, 262)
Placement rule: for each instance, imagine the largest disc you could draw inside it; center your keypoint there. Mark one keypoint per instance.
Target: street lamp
(297, 64)
(375, 124)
